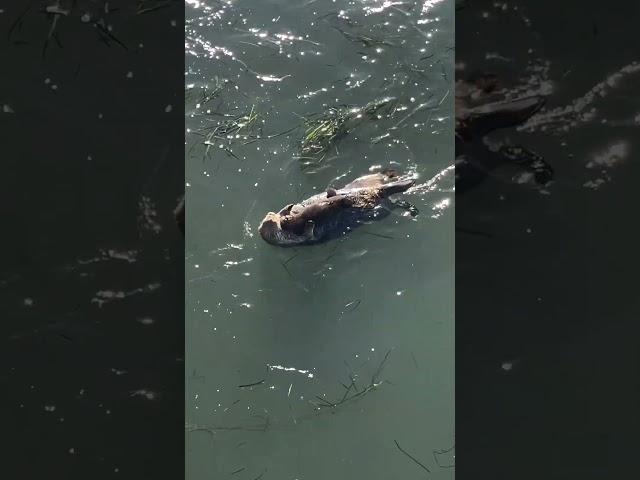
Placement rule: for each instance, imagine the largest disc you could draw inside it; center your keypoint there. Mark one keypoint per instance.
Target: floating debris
(205, 94)
(244, 127)
(415, 460)
(322, 131)
(254, 384)
(438, 453)
(366, 40)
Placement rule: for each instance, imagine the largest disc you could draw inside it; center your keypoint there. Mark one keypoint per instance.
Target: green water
(312, 326)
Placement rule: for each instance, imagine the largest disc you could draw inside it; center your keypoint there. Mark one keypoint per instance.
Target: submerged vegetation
(94, 14)
(244, 127)
(204, 94)
(367, 41)
(221, 130)
(323, 131)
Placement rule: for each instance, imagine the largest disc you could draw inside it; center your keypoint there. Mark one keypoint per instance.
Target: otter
(480, 108)
(335, 212)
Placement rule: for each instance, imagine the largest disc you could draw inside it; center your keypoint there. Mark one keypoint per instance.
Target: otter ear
(286, 210)
(331, 192)
(308, 229)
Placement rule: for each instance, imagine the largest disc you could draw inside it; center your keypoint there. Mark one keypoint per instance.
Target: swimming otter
(335, 212)
(480, 108)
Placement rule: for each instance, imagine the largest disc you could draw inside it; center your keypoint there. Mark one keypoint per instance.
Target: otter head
(269, 227)
(273, 231)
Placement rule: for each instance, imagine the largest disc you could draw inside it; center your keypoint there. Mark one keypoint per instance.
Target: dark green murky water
(311, 327)
(545, 340)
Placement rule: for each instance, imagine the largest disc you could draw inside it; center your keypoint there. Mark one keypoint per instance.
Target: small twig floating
(411, 457)
(252, 384)
(379, 235)
(478, 233)
(375, 376)
(346, 397)
(442, 452)
(261, 475)
(17, 24)
(354, 304)
(157, 6)
(213, 429)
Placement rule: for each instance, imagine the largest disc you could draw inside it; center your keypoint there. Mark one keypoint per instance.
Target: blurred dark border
(91, 259)
(547, 356)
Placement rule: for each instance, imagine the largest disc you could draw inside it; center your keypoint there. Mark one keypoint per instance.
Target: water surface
(325, 361)
(547, 311)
